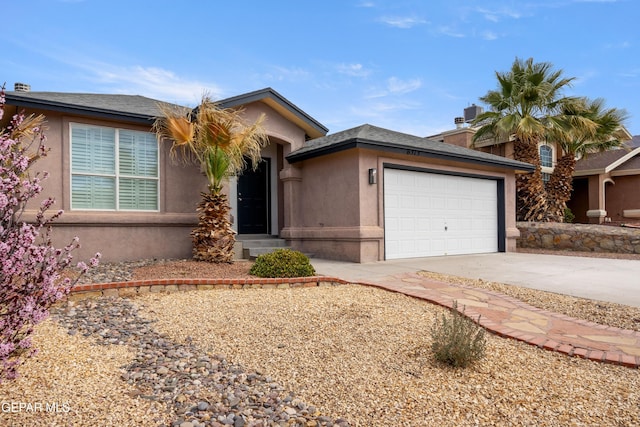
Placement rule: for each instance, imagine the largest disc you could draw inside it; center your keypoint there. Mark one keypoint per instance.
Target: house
(363, 194)
(594, 198)
(606, 186)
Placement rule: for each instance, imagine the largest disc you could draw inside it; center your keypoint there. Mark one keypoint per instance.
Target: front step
(256, 245)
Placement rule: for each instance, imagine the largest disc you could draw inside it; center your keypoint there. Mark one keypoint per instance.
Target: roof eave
(589, 172)
(402, 149)
(273, 99)
(622, 159)
(61, 107)
(625, 172)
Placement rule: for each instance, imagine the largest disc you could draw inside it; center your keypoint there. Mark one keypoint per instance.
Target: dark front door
(253, 200)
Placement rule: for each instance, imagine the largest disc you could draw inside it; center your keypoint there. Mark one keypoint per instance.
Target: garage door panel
(428, 214)
(407, 225)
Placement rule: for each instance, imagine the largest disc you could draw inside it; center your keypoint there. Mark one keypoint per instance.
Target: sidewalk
(612, 280)
(511, 318)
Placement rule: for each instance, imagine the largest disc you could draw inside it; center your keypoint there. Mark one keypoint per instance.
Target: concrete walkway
(601, 279)
(498, 313)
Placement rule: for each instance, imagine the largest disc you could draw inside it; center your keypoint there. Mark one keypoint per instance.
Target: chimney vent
(459, 121)
(470, 113)
(21, 87)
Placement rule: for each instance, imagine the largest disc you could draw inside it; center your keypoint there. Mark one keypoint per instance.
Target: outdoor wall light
(373, 176)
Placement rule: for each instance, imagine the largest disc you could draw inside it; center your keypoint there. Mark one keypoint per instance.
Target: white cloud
(622, 45)
(489, 35)
(378, 113)
(448, 31)
(396, 86)
(631, 74)
(287, 74)
(498, 14)
(403, 22)
(152, 82)
(354, 70)
(585, 77)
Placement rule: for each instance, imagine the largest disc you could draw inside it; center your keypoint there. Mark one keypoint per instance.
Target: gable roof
(375, 138)
(140, 109)
(283, 106)
(605, 162)
(129, 108)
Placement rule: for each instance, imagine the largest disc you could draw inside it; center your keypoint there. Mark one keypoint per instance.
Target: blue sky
(406, 65)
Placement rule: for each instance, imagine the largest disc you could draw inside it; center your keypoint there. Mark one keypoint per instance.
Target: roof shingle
(368, 136)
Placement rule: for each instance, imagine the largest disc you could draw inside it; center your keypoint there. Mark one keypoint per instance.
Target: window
(113, 169)
(546, 161)
(546, 156)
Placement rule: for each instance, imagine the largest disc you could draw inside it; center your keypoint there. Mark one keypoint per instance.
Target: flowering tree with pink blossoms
(30, 266)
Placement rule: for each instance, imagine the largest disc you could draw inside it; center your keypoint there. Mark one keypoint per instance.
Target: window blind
(113, 169)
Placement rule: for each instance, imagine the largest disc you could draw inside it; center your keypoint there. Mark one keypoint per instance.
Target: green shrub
(568, 216)
(282, 263)
(457, 340)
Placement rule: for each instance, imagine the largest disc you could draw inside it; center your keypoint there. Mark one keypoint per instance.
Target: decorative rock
(290, 411)
(183, 377)
(578, 237)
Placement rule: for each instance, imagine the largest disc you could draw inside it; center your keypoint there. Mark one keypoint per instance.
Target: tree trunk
(560, 186)
(214, 237)
(531, 201)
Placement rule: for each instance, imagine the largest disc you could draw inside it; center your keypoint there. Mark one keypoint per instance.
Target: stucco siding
(621, 196)
(119, 235)
(342, 214)
(330, 191)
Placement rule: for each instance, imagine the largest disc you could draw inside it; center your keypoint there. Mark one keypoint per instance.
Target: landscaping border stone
(579, 237)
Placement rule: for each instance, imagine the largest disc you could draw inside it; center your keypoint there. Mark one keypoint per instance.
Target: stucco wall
(136, 235)
(621, 196)
(579, 237)
(327, 206)
(119, 235)
(342, 215)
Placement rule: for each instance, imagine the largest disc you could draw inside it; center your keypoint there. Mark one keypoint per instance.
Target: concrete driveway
(613, 280)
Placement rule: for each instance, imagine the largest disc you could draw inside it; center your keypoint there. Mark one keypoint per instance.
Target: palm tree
(584, 126)
(522, 109)
(222, 144)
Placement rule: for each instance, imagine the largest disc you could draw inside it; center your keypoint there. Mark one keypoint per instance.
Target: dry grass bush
(457, 340)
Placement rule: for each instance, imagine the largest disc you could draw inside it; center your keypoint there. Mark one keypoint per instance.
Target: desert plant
(568, 216)
(457, 340)
(521, 108)
(528, 107)
(282, 263)
(587, 127)
(30, 267)
(221, 143)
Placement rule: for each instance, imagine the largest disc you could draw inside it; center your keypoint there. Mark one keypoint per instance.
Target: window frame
(547, 170)
(117, 176)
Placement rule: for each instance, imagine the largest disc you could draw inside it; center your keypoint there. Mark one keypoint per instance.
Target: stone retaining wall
(133, 288)
(579, 237)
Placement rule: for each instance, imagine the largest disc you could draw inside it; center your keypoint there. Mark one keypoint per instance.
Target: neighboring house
(606, 186)
(463, 137)
(594, 199)
(364, 194)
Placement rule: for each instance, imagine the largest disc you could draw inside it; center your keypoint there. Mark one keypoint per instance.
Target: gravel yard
(310, 356)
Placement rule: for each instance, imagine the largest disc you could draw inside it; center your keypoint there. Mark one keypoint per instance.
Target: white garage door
(430, 214)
